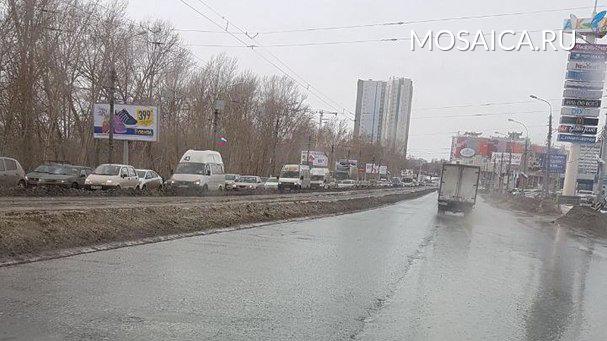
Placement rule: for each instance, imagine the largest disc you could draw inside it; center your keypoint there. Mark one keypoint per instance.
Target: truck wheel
(75, 185)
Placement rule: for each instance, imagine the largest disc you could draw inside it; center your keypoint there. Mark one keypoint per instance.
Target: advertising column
(581, 104)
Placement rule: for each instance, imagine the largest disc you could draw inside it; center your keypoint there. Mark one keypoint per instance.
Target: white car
(247, 182)
(148, 179)
(230, 180)
(271, 184)
(112, 176)
(346, 184)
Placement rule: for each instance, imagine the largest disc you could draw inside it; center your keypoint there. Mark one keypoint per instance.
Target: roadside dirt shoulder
(31, 234)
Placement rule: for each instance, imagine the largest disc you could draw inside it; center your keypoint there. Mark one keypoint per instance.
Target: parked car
(247, 182)
(230, 179)
(396, 182)
(148, 179)
(200, 169)
(59, 175)
(112, 176)
(271, 183)
(346, 184)
(11, 173)
(331, 184)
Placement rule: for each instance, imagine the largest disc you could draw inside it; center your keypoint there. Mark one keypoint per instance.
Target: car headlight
(62, 181)
(109, 181)
(197, 183)
(87, 181)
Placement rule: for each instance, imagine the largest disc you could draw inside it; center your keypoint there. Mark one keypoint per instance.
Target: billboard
(314, 158)
(587, 112)
(588, 164)
(558, 163)
(131, 122)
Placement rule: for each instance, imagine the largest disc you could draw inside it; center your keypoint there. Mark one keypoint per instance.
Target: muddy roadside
(523, 204)
(29, 235)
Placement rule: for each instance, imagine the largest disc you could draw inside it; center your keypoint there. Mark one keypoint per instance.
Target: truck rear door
(449, 182)
(469, 184)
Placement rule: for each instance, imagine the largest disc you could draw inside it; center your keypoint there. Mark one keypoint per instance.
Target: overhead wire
(319, 94)
(267, 60)
(395, 23)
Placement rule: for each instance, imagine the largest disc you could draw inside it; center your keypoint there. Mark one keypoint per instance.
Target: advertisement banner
(583, 139)
(585, 76)
(575, 129)
(587, 112)
(588, 163)
(497, 158)
(583, 85)
(583, 93)
(586, 66)
(587, 57)
(314, 158)
(592, 48)
(131, 122)
(578, 120)
(582, 103)
(383, 170)
(558, 163)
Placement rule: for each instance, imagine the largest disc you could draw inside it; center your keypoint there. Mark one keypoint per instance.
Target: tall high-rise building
(383, 112)
(369, 109)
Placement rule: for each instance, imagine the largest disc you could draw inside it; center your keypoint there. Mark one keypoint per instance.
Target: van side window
(132, 172)
(124, 171)
(11, 165)
(217, 169)
(1, 165)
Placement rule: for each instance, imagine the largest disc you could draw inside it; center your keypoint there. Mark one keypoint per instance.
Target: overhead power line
(391, 23)
(298, 79)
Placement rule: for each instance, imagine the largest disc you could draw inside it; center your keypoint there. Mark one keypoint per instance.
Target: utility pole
(308, 152)
(218, 105)
(548, 151)
(111, 132)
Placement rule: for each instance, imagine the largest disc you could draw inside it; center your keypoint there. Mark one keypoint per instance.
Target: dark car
(61, 175)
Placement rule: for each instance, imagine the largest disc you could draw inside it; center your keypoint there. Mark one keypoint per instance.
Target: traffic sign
(577, 129)
(583, 85)
(579, 120)
(584, 139)
(583, 93)
(586, 76)
(588, 57)
(582, 103)
(588, 112)
(586, 66)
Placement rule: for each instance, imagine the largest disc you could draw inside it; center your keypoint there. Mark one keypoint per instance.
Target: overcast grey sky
(445, 83)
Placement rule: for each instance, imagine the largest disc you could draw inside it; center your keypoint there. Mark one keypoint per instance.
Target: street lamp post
(549, 147)
(526, 153)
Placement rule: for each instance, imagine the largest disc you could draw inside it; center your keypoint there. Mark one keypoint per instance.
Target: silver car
(11, 173)
(112, 176)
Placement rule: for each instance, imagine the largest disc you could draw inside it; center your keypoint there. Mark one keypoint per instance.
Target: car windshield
(107, 170)
(270, 180)
(191, 168)
(289, 174)
(140, 174)
(230, 177)
(43, 169)
(247, 179)
(61, 170)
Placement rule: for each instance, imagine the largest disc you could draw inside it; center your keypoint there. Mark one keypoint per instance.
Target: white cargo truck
(458, 188)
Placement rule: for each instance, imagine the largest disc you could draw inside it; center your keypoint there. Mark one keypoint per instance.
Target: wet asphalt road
(394, 273)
